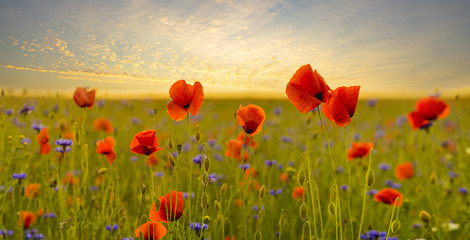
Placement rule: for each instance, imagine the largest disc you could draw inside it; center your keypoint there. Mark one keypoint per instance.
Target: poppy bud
(333, 193)
(217, 205)
(370, 178)
(197, 136)
(179, 147)
(171, 144)
(171, 159)
(258, 235)
(155, 111)
(396, 224)
(207, 164)
(142, 188)
(262, 191)
(309, 119)
(204, 200)
(306, 230)
(332, 208)
(425, 217)
(301, 176)
(433, 177)
(223, 189)
(205, 179)
(103, 170)
(206, 219)
(303, 211)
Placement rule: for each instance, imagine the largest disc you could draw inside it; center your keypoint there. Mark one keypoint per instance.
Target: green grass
(117, 196)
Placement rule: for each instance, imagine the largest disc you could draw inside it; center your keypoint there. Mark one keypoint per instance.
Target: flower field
(319, 166)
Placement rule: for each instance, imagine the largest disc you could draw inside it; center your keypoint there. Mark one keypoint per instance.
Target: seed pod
(197, 136)
(433, 177)
(306, 231)
(303, 211)
(396, 224)
(172, 160)
(262, 192)
(179, 147)
(333, 193)
(217, 205)
(207, 164)
(204, 200)
(103, 170)
(206, 219)
(332, 208)
(301, 177)
(370, 178)
(205, 179)
(223, 189)
(76, 133)
(258, 235)
(425, 217)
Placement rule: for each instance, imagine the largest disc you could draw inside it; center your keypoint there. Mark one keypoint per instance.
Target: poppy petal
(151, 230)
(251, 118)
(45, 148)
(335, 112)
(197, 99)
(110, 157)
(348, 96)
(416, 120)
(175, 111)
(181, 94)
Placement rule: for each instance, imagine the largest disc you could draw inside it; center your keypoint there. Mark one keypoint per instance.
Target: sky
(235, 48)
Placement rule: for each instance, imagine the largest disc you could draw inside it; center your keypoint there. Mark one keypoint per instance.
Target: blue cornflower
(218, 157)
(452, 174)
(244, 166)
(26, 141)
(371, 102)
(278, 191)
(344, 187)
(186, 195)
(158, 174)
(400, 120)
(379, 134)
(93, 188)
(286, 139)
(280, 166)
(372, 192)
(64, 142)
(212, 143)
(198, 226)
(134, 158)
(8, 112)
(266, 137)
(463, 191)
(198, 159)
(136, 121)
(384, 166)
(396, 185)
(61, 149)
(269, 163)
(388, 182)
(357, 136)
(213, 177)
(112, 227)
(25, 110)
(277, 111)
(37, 127)
(6, 232)
(19, 175)
(339, 169)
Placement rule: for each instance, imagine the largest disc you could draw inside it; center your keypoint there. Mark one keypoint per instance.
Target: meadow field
(295, 184)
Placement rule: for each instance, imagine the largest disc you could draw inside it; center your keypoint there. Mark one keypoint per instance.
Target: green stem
(349, 184)
(333, 170)
(364, 195)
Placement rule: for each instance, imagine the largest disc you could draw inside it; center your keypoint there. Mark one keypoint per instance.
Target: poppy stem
(243, 185)
(333, 170)
(190, 168)
(364, 195)
(349, 183)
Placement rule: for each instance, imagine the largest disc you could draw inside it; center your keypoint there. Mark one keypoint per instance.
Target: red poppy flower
(432, 108)
(43, 140)
(152, 160)
(145, 142)
(359, 149)
(284, 177)
(70, 179)
(388, 196)
(234, 148)
(106, 147)
(83, 98)
(32, 190)
(27, 219)
(404, 171)
(341, 106)
(416, 120)
(251, 118)
(186, 98)
(103, 124)
(151, 230)
(298, 192)
(249, 141)
(307, 89)
(171, 207)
